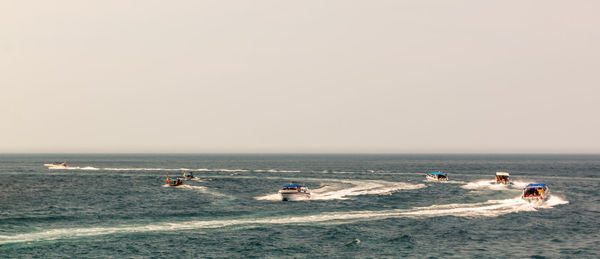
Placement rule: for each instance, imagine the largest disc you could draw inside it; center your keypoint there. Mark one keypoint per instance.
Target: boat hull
(537, 198)
(56, 166)
(434, 179)
(294, 196)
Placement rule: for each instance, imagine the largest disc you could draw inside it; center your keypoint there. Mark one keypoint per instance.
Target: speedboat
(57, 165)
(294, 192)
(188, 175)
(174, 181)
(503, 178)
(436, 176)
(536, 192)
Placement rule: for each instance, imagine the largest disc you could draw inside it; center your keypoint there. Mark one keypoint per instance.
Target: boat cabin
(502, 177)
(437, 176)
(535, 191)
(188, 175)
(294, 187)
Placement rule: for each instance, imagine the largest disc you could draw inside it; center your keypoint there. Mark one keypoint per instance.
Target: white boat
(536, 192)
(502, 178)
(294, 192)
(436, 176)
(57, 165)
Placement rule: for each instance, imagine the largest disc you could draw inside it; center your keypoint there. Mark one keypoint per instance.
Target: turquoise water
(362, 206)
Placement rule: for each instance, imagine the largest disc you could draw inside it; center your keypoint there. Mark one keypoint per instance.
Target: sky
(300, 76)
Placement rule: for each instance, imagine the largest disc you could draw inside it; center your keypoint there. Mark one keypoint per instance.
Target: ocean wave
(275, 171)
(192, 187)
(490, 208)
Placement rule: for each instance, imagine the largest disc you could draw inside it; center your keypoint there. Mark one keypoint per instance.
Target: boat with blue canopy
(294, 192)
(174, 181)
(188, 175)
(536, 192)
(436, 176)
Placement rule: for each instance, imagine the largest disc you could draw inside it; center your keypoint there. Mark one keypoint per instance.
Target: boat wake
(449, 181)
(203, 189)
(490, 208)
(72, 168)
(346, 189)
(269, 197)
(489, 184)
(484, 184)
(356, 188)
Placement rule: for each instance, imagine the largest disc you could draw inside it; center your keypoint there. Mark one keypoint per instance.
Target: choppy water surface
(362, 206)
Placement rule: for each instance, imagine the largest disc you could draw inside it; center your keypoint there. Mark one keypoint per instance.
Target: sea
(362, 206)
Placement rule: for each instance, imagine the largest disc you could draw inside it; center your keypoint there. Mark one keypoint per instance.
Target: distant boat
(174, 182)
(188, 175)
(536, 192)
(436, 176)
(294, 192)
(503, 178)
(57, 165)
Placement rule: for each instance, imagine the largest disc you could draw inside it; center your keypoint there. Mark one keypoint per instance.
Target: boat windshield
(501, 177)
(533, 192)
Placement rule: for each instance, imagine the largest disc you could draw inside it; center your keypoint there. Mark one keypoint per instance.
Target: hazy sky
(299, 76)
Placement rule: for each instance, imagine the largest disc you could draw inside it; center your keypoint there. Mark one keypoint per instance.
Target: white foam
(483, 184)
(520, 184)
(191, 187)
(554, 200)
(269, 197)
(491, 208)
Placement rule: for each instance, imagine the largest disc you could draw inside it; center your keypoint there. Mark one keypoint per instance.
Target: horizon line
(298, 153)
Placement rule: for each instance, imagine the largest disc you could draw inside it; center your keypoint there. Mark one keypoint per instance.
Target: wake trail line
(490, 208)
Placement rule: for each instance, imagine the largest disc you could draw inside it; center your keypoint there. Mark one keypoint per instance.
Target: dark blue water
(362, 206)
